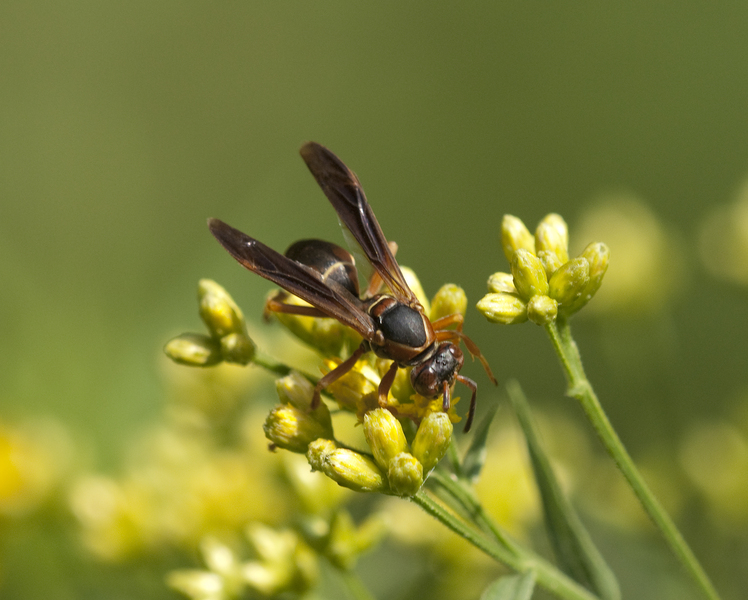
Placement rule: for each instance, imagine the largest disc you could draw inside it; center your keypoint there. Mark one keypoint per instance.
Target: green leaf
(511, 587)
(476, 454)
(575, 552)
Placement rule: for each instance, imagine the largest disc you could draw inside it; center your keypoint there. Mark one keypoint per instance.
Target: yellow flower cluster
(544, 282)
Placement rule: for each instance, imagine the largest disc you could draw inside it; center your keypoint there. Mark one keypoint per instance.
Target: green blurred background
(123, 126)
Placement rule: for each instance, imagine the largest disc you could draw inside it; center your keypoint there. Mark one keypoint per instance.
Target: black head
(442, 367)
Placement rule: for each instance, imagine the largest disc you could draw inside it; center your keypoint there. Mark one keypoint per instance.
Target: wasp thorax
(429, 377)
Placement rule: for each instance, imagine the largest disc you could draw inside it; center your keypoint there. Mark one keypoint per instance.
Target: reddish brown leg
(385, 384)
(446, 399)
(471, 411)
(336, 374)
(444, 322)
(452, 334)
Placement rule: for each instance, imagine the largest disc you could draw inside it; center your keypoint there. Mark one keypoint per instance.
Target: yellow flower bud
(529, 276)
(449, 300)
(348, 468)
(432, 439)
(197, 584)
(385, 436)
(597, 255)
(501, 282)
(541, 310)
(237, 348)
(292, 429)
(503, 308)
(515, 236)
(194, 350)
(218, 309)
(405, 474)
(295, 389)
(570, 281)
(552, 234)
(550, 261)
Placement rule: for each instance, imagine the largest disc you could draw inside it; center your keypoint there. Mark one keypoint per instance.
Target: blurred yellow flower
(649, 265)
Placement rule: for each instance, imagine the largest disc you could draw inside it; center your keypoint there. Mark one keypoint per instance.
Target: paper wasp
(393, 324)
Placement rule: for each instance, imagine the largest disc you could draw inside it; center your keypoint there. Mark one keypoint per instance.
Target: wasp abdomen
(331, 261)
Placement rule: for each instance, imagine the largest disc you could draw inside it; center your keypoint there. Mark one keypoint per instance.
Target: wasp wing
(344, 191)
(292, 276)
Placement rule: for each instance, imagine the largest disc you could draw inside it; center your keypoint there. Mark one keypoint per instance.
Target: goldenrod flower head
(552, 236)
(352, 389)
(449, 300)
(432, 440)
(405, 474)
(503, 308)
(515, 236)
(501, 283)
(194, 350)
(570, 281)
(218, 310)
(385, 436)
(529, 275)
(237, 348)
(544, 281)
(347, 467)
(294, 429)
(542, 310)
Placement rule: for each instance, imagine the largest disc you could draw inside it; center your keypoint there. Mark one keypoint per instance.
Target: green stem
(515, 558)
(357, 590)
(278, 368)
(579, 387)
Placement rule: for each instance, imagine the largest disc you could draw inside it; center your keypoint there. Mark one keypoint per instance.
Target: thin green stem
(580, 388)
(356, 588)
(516, 559)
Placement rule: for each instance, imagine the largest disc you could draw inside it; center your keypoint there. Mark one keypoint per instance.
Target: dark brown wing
(301, 281)
(343, 189)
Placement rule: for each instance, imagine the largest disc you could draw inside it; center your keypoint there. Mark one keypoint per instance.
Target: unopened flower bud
(501, 282)
(552, 234)
(515, 236)
(598, 257)
(218, 309)
(503, 308)
(550, 261)
(432, 439)
(194, 350)
(541, 310)
(449, 300)
(405, 474)
(529, 276)
(237, 348)
(348, 468)
(197, 584)
(292, 429)
(385, 436)
(570, 281)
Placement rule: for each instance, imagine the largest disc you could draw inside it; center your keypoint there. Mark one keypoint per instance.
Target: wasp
(392, 324)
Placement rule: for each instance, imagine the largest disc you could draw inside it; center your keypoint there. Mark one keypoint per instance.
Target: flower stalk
(580, 388)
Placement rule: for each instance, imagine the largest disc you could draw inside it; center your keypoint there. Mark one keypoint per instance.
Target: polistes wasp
(393, 324)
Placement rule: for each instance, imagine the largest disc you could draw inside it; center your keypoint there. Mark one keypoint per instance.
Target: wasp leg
(447, 320)
(336, 374)
(385, 384)
(471, 411)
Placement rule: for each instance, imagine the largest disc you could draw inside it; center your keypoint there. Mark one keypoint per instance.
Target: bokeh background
(123, 126)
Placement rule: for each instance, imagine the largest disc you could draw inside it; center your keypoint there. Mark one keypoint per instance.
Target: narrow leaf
(475, 457)
(575, 552)
(511, 587)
